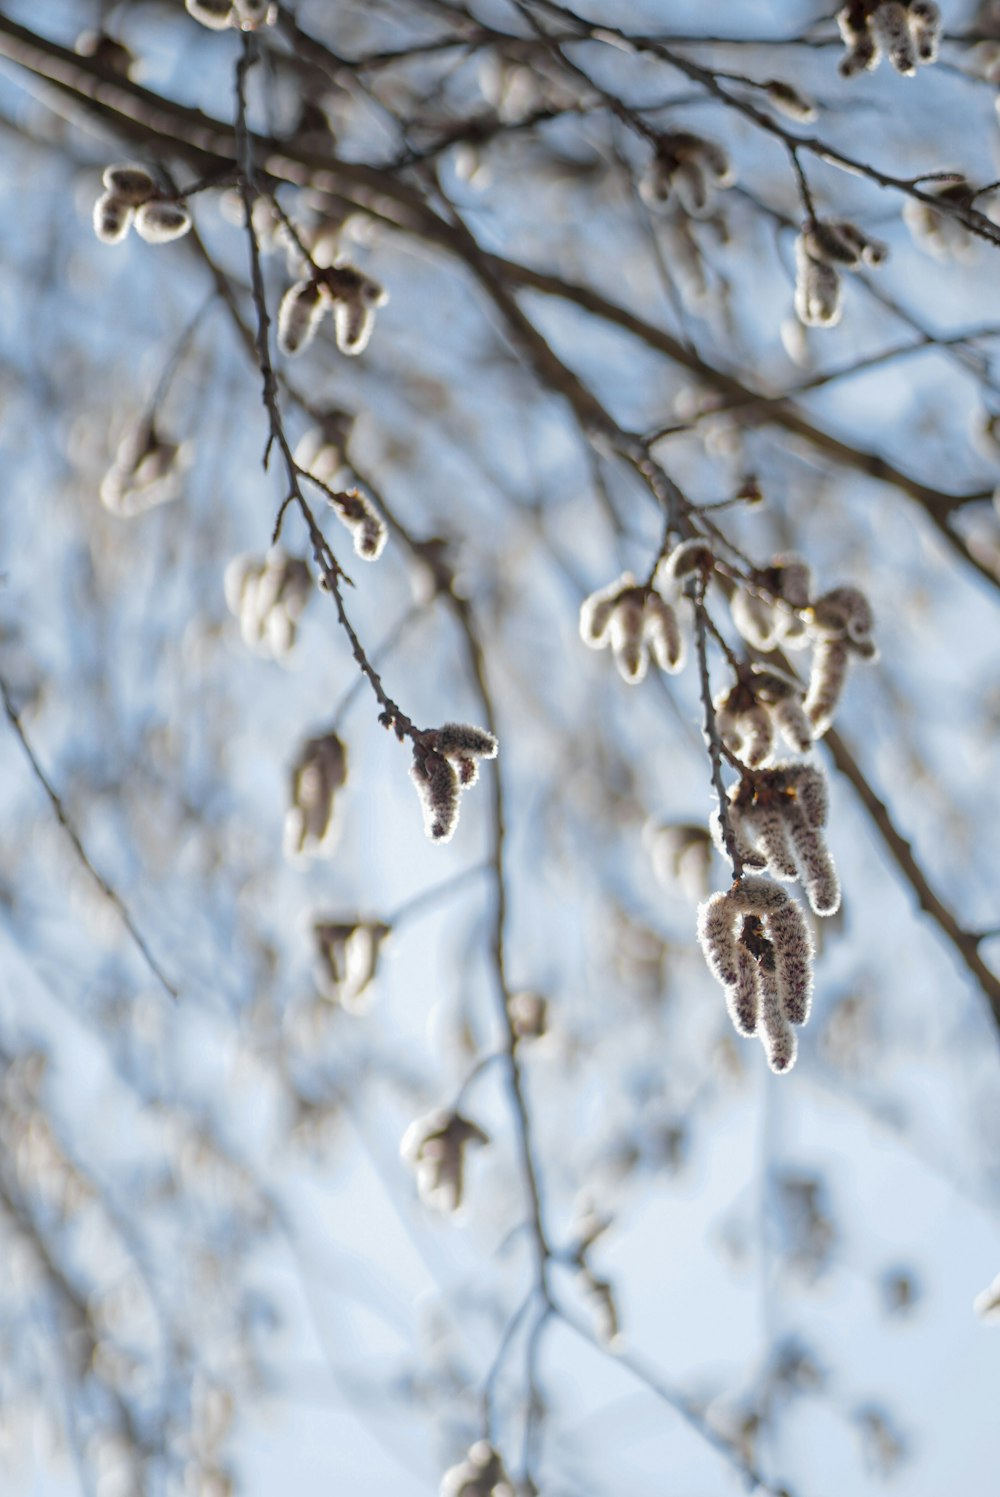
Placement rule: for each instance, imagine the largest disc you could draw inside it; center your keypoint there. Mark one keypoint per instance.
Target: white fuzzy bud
(319, 772)
(817, 291)
(596, 612)
(789, 102)
(353, 324)
(663, 634)
(363, 520)
(627, 635)
(435, 1147)
(268, 594)
(160, 222)
(755, 618)
(299, 315)
(347, 960)
(112, 218)
(130, 184)
(461, 740)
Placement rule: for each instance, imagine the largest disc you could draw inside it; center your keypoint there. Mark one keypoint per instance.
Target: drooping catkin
(815, 865)
(299, 315)
(438, 786)
(793, 948)
(818, 291)
(318, 773)
(767, 968)
(627, 635)
(743, 997)
(663, 633)
(362, 519)
(826, 683)
(776, 1032)
(435, 1147)
(770, 831)
(717, 937)
(347, 953)
(891, 25)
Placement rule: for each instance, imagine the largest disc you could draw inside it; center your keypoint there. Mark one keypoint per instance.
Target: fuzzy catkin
(627, 634)
(826, 683)
(743, 996)
(663, 635)
(817, 871)
(770, 831)
(438, 787)
(160, 222)
(299, 315)
(112, 218)
(890, 24)
(129, 184)
(818, 292)
(717, 938)
(776, 1033)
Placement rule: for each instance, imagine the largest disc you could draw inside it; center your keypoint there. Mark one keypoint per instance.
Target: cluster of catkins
(762, 703)
(639, 622)
(318, 773)
(268, 595)
(245, 15)
(757, 944)
(686, 166)
(352, 297)
(838, 624)
(435, 1147)
(347, 955)
(777, 817)
(824, 248)
(446, 762)
(146, 472)
(132, 197)
(908, 32)
(481, 1474)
